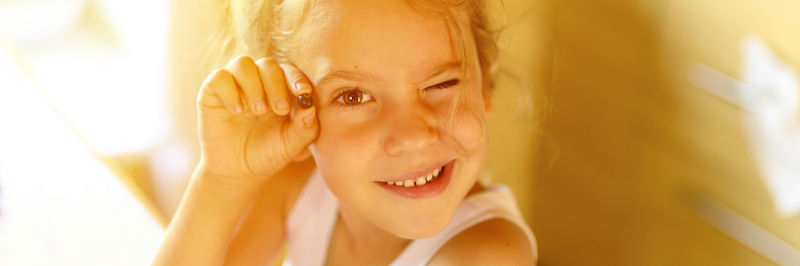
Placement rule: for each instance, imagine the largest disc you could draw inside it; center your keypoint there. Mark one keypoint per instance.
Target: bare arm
(201, 230)
(248, 134)
(262, 234)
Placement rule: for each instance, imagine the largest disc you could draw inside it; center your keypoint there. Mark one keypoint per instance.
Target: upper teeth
(421, 180)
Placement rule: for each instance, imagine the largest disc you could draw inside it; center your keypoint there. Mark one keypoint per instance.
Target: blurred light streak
(769, 96)
(744, 231)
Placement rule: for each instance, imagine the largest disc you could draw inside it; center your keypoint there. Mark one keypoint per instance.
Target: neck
(356, 239)
(363, 237)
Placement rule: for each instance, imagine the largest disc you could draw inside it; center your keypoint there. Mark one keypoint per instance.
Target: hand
(246, 125)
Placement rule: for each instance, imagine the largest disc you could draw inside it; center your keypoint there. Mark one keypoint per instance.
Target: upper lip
(418, 173)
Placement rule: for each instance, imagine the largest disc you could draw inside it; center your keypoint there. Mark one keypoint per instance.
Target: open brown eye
(353, 97)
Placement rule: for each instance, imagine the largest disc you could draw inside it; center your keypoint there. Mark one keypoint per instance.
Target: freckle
(356, 66)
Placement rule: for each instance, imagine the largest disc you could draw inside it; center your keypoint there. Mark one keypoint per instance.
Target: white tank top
(311, 221)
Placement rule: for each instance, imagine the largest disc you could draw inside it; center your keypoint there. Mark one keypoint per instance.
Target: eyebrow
(348, 75)
(418, 78)
(438, 70)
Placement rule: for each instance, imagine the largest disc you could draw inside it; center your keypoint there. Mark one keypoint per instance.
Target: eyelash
(339, 99)
(445, 85)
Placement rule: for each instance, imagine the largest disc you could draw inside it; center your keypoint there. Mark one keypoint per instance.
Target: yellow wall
(518, 108)
(634, 141)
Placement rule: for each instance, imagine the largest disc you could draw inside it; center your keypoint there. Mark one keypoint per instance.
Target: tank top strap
(312, 218)
(310, 223)
(496, 201)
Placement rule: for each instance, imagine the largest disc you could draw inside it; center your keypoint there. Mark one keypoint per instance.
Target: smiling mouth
(419, 181)
(423, 186)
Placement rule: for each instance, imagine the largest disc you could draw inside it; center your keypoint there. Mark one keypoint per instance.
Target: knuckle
(245, 73)
(294, 75)
(267, 62)
(291, 72)
(243, 67)
(274, 70)
(214, 78)
(272, 73)
(218, 74)
(241, 61)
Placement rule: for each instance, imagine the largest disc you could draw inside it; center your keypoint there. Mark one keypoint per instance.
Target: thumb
(303, 127)
(300, 131)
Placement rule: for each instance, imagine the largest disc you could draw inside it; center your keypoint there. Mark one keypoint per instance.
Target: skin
(398, 60)
(252, 166)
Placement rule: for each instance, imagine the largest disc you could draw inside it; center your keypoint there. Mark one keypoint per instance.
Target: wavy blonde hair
(262, 28)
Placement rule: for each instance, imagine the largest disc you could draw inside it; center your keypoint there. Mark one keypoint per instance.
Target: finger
(219, 88)
(304, 126)
(299, 86)
(247, 76)
(301, 131)
(274, 83)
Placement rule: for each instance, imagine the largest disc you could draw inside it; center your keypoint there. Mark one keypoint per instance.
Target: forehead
(387, 38)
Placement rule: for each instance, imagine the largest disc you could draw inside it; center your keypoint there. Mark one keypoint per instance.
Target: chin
(422, 229)
(439, 212)
(428, 222)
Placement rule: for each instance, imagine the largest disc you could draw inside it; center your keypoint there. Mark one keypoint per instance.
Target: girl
(390, 98)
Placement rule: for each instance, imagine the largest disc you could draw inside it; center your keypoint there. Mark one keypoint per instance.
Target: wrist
(226, 182)
(225, 172)
(209, 212)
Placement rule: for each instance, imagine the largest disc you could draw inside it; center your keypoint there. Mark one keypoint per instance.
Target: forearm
(201, 230)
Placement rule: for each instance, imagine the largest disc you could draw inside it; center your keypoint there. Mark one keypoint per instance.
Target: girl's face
(384, 75)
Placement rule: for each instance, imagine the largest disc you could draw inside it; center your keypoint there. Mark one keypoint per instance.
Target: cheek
(345, 154)
(344, 147)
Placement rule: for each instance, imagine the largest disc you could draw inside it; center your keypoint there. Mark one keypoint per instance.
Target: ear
(302, 156)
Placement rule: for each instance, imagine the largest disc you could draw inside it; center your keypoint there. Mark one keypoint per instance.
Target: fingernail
(238, 109)
(282, 105)
(260, 106)
(309, 119)
(301, 86)
(305, 101)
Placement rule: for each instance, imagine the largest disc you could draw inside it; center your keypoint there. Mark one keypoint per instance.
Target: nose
(410, 129)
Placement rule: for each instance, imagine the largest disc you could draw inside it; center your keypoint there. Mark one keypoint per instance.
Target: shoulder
(493, 242)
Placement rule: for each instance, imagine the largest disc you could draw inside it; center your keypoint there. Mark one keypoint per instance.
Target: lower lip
(433, 188)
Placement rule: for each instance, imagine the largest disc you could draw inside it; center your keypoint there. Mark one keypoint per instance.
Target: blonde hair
(261, 28)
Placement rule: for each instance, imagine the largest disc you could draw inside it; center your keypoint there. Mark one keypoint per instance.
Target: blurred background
(632, 132)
